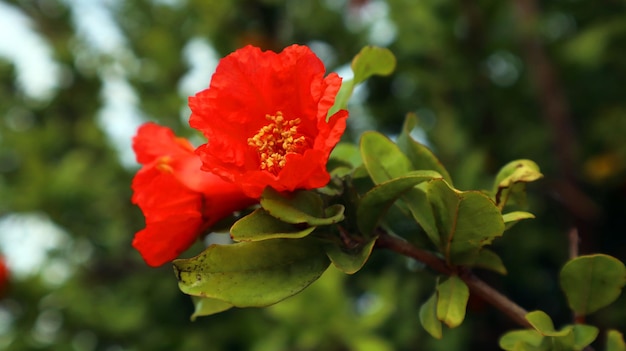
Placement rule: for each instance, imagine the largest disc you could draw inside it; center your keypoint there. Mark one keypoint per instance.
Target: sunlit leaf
(260, 225)
(420, 156)
(530, 338)
(615, 341)
(205, 306)
(584, 335)
(428, 317)
(372, 60)
(511, 218)
(382, 158)
(592, 282)
(301, 207)
(453, 295)
(511, 179)
(249, 274)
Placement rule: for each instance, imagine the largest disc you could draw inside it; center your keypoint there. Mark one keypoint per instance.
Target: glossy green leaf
(511, 179)
(511, 218)
(206, 306)
(527, 338)
(420, 156)
(350, 260)
(342, 97)
(372, 60)
(369, 61)
(584, 335)
(377, 201)
(543, 324)
(256, 273)
(466, 221)
(453, 295)
(592, 282)
(382, 158)
(615, 341)
(260, 225)
(428, 317)
(301, 207)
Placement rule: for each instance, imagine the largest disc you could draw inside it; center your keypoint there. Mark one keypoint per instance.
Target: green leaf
(377, 201)
(350, 260)
(342, 97)
(428, 317)
(453, 295)
(346, 153)
(301, 207)
(511, 179)
(420, 156)
(486, 259)
(584, 335)
(372, 60)
(369, 61)
(543, 324)
(592, 282)
(511, 218)
(382, 158)
(466, 221)
(205, 306)
(615, 341)
(511, 340)
(249, 274)
(260, 225)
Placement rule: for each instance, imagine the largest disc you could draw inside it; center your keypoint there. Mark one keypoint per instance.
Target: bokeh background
(490, 80)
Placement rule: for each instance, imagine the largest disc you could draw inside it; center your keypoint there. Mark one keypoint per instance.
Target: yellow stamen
(276, 140)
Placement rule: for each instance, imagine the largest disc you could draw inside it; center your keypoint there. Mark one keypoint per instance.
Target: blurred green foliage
(475, 74)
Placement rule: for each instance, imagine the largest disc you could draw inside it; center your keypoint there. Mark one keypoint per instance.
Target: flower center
(276, 140)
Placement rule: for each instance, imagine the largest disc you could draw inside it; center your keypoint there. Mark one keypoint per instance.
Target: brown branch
(476, 285)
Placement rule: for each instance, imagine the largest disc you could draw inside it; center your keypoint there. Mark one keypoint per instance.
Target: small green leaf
(466, 221)
(541, 322)
(372, 60)
(260, 225)
(342, 97)
(428, 317)
(369, 61)
(206, 306)
(584, 335)
(347, 153)
(350, 260)
(377, 201)
(486, 259)
(511, 179)
(511, 218)
(615, 341)
(301, 207)
(420, 156)
(249, 274)
(453, 295)
(382, 158)
(512, 339)
(592, 282)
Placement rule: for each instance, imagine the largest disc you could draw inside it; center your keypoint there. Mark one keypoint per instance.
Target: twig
(476, 285)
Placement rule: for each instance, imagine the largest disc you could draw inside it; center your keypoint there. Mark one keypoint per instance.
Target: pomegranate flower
(265, 118)
(179, 201)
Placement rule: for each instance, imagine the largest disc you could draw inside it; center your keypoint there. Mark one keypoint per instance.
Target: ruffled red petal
(250, 84)
(178, 200)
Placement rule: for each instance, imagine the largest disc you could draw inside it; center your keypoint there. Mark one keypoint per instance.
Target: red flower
(179, 201)
(264, 116)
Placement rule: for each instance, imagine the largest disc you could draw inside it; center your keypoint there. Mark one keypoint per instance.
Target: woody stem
(476, 286)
